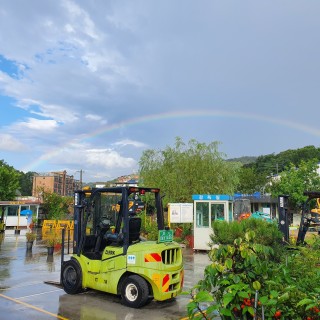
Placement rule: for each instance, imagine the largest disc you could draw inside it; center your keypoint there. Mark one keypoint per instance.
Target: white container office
(208, 208)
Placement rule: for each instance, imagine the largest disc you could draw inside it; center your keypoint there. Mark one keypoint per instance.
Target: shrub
(31, 236)
(248, 273)
(266, 233)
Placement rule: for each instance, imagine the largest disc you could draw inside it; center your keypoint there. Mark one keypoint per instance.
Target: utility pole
(81, 178)
(81, 171)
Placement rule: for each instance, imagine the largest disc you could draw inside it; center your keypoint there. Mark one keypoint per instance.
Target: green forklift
(109, 253)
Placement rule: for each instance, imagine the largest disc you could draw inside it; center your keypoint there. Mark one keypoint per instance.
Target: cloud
(35, 125)
(9, 143)
(128, 142)
(105, 161)
(96, 118)
(75, 74)
(108, 158)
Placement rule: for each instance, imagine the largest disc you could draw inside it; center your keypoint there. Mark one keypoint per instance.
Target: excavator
(309, 217)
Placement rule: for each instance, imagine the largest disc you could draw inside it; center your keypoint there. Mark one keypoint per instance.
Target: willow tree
(186, 169)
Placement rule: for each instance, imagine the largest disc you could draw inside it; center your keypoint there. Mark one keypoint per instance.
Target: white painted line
(38, 294)
(25, 284)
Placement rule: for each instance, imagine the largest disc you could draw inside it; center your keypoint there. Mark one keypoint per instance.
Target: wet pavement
(25, 293)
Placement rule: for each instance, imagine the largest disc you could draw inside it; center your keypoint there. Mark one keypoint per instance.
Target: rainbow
(170, 116)
(203, 113)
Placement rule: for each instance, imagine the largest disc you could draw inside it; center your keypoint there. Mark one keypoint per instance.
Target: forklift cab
(108, 216)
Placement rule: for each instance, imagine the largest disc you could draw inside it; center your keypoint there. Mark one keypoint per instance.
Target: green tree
(275, 163)
(9, 181)
(26, 180)
(55, 206)
(250, 180)
(295, 180)
(186, 169)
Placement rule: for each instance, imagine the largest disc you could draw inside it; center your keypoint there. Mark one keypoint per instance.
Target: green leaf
(191, 307)
(228, 263)
(264, 299)
(271, 302)
(250, 235)
(284, 297)
(225, 312)
(243, 294)
(227, 298)
(304, 301)
(244, 254)
(204, 296)
(211, 309)
(251, 310)
(219, 268)
(274, 294)
(236, 279)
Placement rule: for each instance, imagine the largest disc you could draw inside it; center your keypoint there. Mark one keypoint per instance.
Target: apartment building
(56, 182)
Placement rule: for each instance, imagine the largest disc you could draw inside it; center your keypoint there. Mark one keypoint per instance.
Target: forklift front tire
(71, 277)
(134, 292)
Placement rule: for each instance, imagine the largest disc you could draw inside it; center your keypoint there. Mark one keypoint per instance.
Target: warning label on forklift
(131, 259)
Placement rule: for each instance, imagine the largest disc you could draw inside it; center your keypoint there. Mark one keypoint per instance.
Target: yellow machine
(109, 254)
(308, 217)
(317, 210)
(2, 222)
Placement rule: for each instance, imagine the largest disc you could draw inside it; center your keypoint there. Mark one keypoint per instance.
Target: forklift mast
(79, 206)
(306, 216)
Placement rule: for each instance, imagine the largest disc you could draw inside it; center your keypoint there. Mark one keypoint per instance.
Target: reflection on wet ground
(24, 293)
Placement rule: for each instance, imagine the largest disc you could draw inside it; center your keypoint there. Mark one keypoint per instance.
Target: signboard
(165, 236)
(175, 212)
(187, 212)
(181, 212)
(223, 197)
(266, 211)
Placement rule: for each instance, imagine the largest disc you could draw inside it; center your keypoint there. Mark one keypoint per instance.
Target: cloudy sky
(88, 85)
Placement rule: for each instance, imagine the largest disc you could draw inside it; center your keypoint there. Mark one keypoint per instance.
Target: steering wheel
(104, 223)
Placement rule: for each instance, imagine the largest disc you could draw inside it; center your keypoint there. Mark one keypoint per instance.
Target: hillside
(244, 159)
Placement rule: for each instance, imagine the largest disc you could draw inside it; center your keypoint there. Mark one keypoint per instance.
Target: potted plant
(51, 241)
(30, 236)
(187, 235)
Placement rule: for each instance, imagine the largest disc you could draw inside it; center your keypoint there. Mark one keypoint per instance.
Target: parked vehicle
(308, 217)
(109, 254)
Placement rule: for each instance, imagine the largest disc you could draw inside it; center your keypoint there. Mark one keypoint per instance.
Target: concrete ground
(25, 293)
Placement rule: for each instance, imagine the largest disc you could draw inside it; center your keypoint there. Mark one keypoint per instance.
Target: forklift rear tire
(134, 291)
(71, 277)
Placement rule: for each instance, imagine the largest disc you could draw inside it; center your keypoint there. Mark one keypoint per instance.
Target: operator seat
(134, 232)
(134, 228)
